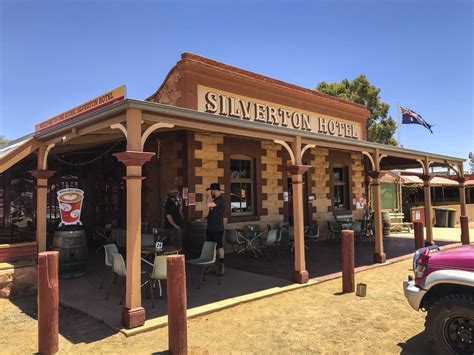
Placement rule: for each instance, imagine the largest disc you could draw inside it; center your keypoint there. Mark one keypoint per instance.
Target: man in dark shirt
(173, 219)
(215, 222)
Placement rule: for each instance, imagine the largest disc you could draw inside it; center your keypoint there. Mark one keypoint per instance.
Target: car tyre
(450, 324)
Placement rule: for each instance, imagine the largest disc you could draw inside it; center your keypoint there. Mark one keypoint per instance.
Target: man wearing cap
(173, 218)
(215, 222)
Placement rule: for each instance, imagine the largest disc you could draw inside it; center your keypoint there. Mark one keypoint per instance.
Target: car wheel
(450, 324)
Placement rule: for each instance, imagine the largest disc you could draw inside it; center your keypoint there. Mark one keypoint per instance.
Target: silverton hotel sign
(101, 101)
(240, 107)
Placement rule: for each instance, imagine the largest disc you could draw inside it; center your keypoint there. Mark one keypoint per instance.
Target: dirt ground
(316, 319)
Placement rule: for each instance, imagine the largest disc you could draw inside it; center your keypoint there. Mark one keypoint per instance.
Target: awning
(390, 177)
(16, 151)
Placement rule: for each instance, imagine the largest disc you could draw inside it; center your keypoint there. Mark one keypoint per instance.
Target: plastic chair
(273, 240)
(312, 233)
(357, 228)
(119, 269)
(108, 250)
(334, 229)
(119, 236)
(232, 238)
(206, 260)
(158, 273)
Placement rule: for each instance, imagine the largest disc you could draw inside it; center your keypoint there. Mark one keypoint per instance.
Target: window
(340, 188)
(242, 174)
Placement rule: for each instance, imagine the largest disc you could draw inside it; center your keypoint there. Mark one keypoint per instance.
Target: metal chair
(206, 260)
(158, 273)
(119, 269)
(108, 250)
(232, 238)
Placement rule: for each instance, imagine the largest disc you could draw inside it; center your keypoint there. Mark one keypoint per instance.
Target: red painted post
(464, 230)
(419, 234)
(347, 260)
(48, 302)
(177, 305)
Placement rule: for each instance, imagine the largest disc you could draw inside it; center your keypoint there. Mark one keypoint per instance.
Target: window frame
(251, 180)
(344, 183)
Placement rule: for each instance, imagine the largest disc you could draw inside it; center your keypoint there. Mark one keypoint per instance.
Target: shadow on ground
(416, 345)
(76, 326)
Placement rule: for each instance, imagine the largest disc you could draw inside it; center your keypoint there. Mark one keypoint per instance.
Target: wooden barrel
(385, 224)
(195, 238)
(72, 248)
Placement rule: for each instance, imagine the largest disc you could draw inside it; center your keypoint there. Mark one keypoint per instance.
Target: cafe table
(148, 251)
(251, 237)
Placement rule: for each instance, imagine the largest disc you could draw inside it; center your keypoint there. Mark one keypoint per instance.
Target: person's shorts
(217, 237)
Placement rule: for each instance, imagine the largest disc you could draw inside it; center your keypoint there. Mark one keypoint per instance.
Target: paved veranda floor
(83, 293)
(323, 258)
(244, 275)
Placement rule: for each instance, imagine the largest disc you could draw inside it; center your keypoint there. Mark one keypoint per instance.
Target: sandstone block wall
(272, 175)
(358, 182)
(208, 168)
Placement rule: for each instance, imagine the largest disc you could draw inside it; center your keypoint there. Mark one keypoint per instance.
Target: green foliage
(380, 126)
(3, 140)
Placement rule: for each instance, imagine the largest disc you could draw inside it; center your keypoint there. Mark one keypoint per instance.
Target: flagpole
(399, 124)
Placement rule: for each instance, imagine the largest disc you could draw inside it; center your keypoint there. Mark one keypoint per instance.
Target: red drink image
(70, 204)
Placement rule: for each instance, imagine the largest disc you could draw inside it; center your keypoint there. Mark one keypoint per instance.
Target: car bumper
(413, 293)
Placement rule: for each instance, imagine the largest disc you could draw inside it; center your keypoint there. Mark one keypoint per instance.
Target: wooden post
(42, 177)
(347, 261)
(465, 239)
(133, 314)
(428, 215)
(177, 305)
(379, 255)
(48, 302)
(419, 234)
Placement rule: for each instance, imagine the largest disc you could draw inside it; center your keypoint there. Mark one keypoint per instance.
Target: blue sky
(55, 55)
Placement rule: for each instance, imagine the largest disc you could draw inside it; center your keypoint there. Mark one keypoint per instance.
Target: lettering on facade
(224, 104)
(108, 98)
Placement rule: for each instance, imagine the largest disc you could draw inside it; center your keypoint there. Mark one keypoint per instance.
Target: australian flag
(411, 117)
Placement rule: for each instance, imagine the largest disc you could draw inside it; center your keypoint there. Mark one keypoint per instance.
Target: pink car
(444, 287)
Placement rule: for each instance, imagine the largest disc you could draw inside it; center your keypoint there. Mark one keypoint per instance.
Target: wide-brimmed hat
(172, 193)
(214, 186)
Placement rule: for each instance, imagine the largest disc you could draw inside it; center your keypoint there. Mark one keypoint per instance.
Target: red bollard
(464, 230)
(347, 260)
(48, 302)
(177, 305)
(419, 234)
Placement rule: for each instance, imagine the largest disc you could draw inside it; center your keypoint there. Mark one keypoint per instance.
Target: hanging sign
(70, 205)
(101, 101)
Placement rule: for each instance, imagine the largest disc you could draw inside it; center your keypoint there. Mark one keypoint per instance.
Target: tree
(380, 126)
(3, 140)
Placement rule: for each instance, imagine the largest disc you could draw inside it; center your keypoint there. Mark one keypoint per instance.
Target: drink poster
(70, 205)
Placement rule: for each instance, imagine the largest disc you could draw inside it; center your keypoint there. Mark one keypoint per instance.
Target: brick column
(42, 177)
(379, 255)
(428, 216)
(297, 171)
